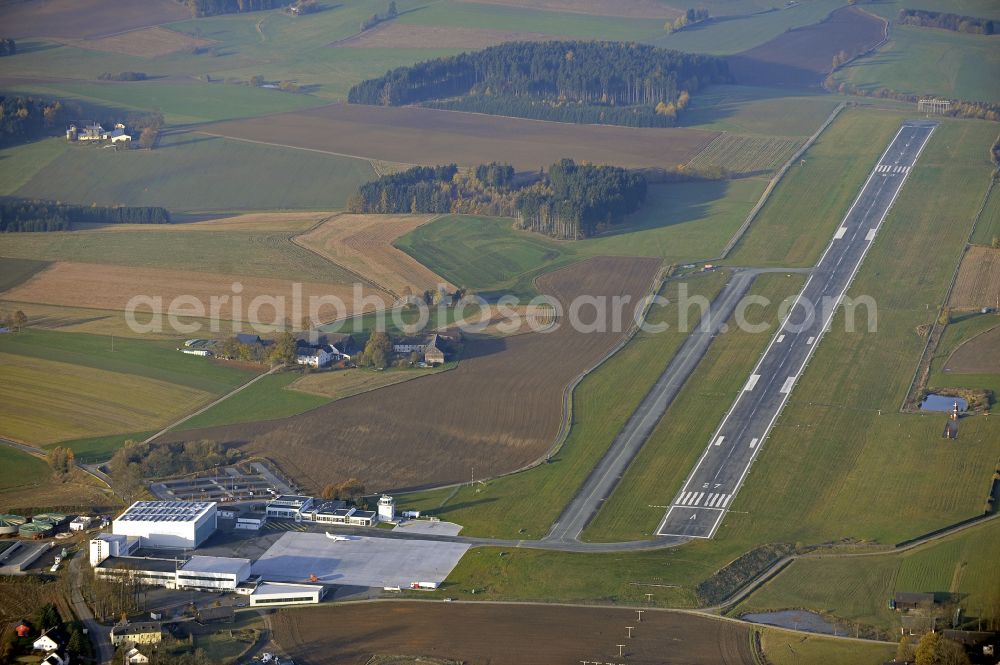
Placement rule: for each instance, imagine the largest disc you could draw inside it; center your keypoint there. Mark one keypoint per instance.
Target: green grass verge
(679, 223)
(524, 505)
(988, 228)
(799, 218)
(924, 61)
(158, 360)
(20, 163)
(962, 328)
(265, 400)
(633, 512)
(230, 175)
(754, 110)
(100, 448)
(822, 475)
(857, 589)
(787, 648)
(21, 469)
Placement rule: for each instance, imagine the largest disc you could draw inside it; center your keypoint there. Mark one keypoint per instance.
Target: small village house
(135, 657)
(149, 632)
(46, 642)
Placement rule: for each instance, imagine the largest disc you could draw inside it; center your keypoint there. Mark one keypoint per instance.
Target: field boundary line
(922, 372)
(294, 147)
(213, 403)
(773, 183)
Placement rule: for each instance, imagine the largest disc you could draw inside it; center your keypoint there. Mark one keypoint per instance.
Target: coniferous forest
(596, 82)
(34, 215)
(570, 201)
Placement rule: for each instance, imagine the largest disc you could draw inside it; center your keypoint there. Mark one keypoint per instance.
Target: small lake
(794, 619)
(935, 402)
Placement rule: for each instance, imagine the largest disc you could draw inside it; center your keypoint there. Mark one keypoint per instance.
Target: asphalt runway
(708, 492)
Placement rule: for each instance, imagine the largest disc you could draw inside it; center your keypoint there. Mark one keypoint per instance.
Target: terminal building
(308, 509)
(270, 594)
(199, 573)
(168, 524)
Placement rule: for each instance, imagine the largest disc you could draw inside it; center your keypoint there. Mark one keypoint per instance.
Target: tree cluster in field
(931, 648)
(954, 22)
(580, 200)
(688, 18)
(599, 82)
(13, 320)
(390, 13)
(213, 7)
(570, 201)
(258, 81)
(61, 460)
(283, 349)
(959, 108)
(8, 47)
(123, 76)
(24, 118)
(35, 215)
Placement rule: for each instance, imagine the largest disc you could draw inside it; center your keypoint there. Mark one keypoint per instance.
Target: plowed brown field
(85, 19)
(480, 634)
(498, 411)
(363, 244)
(413, 135)
(978, 282)
(804, 56)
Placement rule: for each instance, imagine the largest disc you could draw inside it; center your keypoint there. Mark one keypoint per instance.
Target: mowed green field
(92, 450)
(633, 511)
(929, 61)
(679, 223)
(525, 504)
(237, 252)
(20, 469)
(190, 172)
(43, 401)
(799, 218)
(822, 475)
(753, 110)
(989, 222)
(14, 272)
(266, 399)
(857, 589)
(783, 647)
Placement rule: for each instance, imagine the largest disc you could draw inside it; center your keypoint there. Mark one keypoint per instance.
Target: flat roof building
(180, 524)
(289, 506)
(213, 573)
(270, 594)
(148, 571)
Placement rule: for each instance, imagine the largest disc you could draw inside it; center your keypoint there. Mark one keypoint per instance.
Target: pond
(934, 402)
(794, 619)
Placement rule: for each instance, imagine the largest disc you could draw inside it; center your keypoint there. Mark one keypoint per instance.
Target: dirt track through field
(413, 135)
(494, 634)
(498, 411)
(362, 244)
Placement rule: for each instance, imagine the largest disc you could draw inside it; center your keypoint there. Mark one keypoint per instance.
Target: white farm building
(180, 524)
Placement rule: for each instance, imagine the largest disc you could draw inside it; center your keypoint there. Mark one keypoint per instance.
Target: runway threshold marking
(754, 378)
(753, 442)
(719, 441)
(786, 387)
(781, 338)
(840, 233)
(870, 235)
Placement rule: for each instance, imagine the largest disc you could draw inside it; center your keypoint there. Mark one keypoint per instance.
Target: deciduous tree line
(213, 7)
(557, 80)
(945, 21)
(23, 118)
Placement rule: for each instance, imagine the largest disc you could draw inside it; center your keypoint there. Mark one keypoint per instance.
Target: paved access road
(698, 509)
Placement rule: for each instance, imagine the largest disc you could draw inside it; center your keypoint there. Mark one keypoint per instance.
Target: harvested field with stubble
(85, 19)
(803, 57)
(747, 154)
(618, 8)
(479, 634)
(144, 43)
(362, 244)
(978, 282)
(414, 135)
(979, 355)
(390, 34)
(110, 287)
(498, 411)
